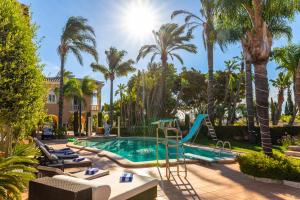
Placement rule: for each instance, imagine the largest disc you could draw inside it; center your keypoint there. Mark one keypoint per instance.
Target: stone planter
(292, 184)
(269, 180)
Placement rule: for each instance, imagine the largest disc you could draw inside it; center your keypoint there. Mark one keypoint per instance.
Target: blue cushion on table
(91, 171)
(126, 177)
(78, 159)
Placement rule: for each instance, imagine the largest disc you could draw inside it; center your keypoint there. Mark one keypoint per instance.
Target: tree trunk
(111, 101)
(262, 106)
(210, 85)
(121, 107)
(278, 110)
(236, 97)
(258, 42)
(297, 86)
(295, 110)
(61, 92)
(163, 85)
(80, 113)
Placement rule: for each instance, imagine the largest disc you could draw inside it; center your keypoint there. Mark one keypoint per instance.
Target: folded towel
(68, 152)
(126, 177)
(91, 171)
(78, 159)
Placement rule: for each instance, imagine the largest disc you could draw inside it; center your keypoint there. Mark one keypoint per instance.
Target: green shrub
(276, 167)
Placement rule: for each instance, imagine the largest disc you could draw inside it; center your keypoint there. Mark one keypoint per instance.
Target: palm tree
(282, 82)
(116, 68)
(168, 39)
(17, 170)
(209, 35)
(77, 37)
(288, 57)
(121, 89)
(78, 89)
(257, 42)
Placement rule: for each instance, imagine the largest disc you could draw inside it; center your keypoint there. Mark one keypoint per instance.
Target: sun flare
(139, 19)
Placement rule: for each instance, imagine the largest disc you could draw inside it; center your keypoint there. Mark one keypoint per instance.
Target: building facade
(92, 103)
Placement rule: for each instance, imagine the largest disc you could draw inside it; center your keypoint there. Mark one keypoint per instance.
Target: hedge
(277, 167)
(223, 132)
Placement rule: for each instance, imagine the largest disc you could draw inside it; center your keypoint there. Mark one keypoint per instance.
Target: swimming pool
(144, 149)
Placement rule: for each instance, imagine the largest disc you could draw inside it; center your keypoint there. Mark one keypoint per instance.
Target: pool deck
(204, 182)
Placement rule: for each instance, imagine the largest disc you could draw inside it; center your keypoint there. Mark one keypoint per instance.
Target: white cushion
(100, 191)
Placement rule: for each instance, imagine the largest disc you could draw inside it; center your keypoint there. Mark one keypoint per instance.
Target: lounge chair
(141, 187)
(52, 171)
(52, 160)
(65, 153)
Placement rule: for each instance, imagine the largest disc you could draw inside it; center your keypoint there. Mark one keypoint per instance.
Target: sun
(139, 19)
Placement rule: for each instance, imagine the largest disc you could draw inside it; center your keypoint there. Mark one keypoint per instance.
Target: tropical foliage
(17, 170)
(169, 39)
(77, 37)
(21, 83)
(117, 67)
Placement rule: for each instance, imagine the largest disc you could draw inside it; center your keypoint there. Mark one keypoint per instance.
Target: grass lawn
(241, 146)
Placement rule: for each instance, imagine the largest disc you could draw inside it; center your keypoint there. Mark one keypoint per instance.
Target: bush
(276, 167)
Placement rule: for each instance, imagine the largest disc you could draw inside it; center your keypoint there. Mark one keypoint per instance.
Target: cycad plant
(117, 67)
(77, 37)
(17, 170)
(169, 39)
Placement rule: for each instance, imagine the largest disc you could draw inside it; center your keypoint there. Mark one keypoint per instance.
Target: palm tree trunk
(297, 86)
(295, 110)
(80, 113)
(111, 101)
(262, 105)
(61, 92)
(278, 109)
(121, 107)
(210, 85)
(249, 102)
(163, 85)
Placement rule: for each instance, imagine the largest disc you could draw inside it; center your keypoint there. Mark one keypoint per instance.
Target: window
(51, 98)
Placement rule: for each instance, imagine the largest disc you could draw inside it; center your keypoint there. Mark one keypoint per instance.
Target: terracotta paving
(204, 182)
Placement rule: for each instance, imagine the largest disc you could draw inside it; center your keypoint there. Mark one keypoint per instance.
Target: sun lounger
(52, 171)
(52, 160)
(65, 153)
(141, 187)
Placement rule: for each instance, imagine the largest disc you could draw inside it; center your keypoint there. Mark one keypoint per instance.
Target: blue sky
(106, 16)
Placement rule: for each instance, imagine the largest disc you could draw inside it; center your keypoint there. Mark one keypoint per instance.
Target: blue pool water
(144, 149)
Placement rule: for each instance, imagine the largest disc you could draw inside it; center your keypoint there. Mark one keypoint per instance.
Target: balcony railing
(95, 107)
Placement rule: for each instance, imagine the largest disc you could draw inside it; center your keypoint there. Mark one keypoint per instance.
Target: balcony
(95, 107)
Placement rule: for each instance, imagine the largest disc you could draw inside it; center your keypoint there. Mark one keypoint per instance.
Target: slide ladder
(220, 144)
(174, 146)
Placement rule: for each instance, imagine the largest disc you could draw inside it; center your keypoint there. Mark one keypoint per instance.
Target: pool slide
(195, 128)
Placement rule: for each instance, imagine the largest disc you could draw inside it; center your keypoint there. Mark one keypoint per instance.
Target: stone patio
(205, 182)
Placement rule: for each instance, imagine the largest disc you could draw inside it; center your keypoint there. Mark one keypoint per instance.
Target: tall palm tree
(288, 57)
(168, 39)
(77, 37)
(257, 42)
(209, 35)
(116, 68)
(282, 82)
(121, 89)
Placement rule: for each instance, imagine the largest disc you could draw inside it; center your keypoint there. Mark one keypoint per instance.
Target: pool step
(202, 158)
